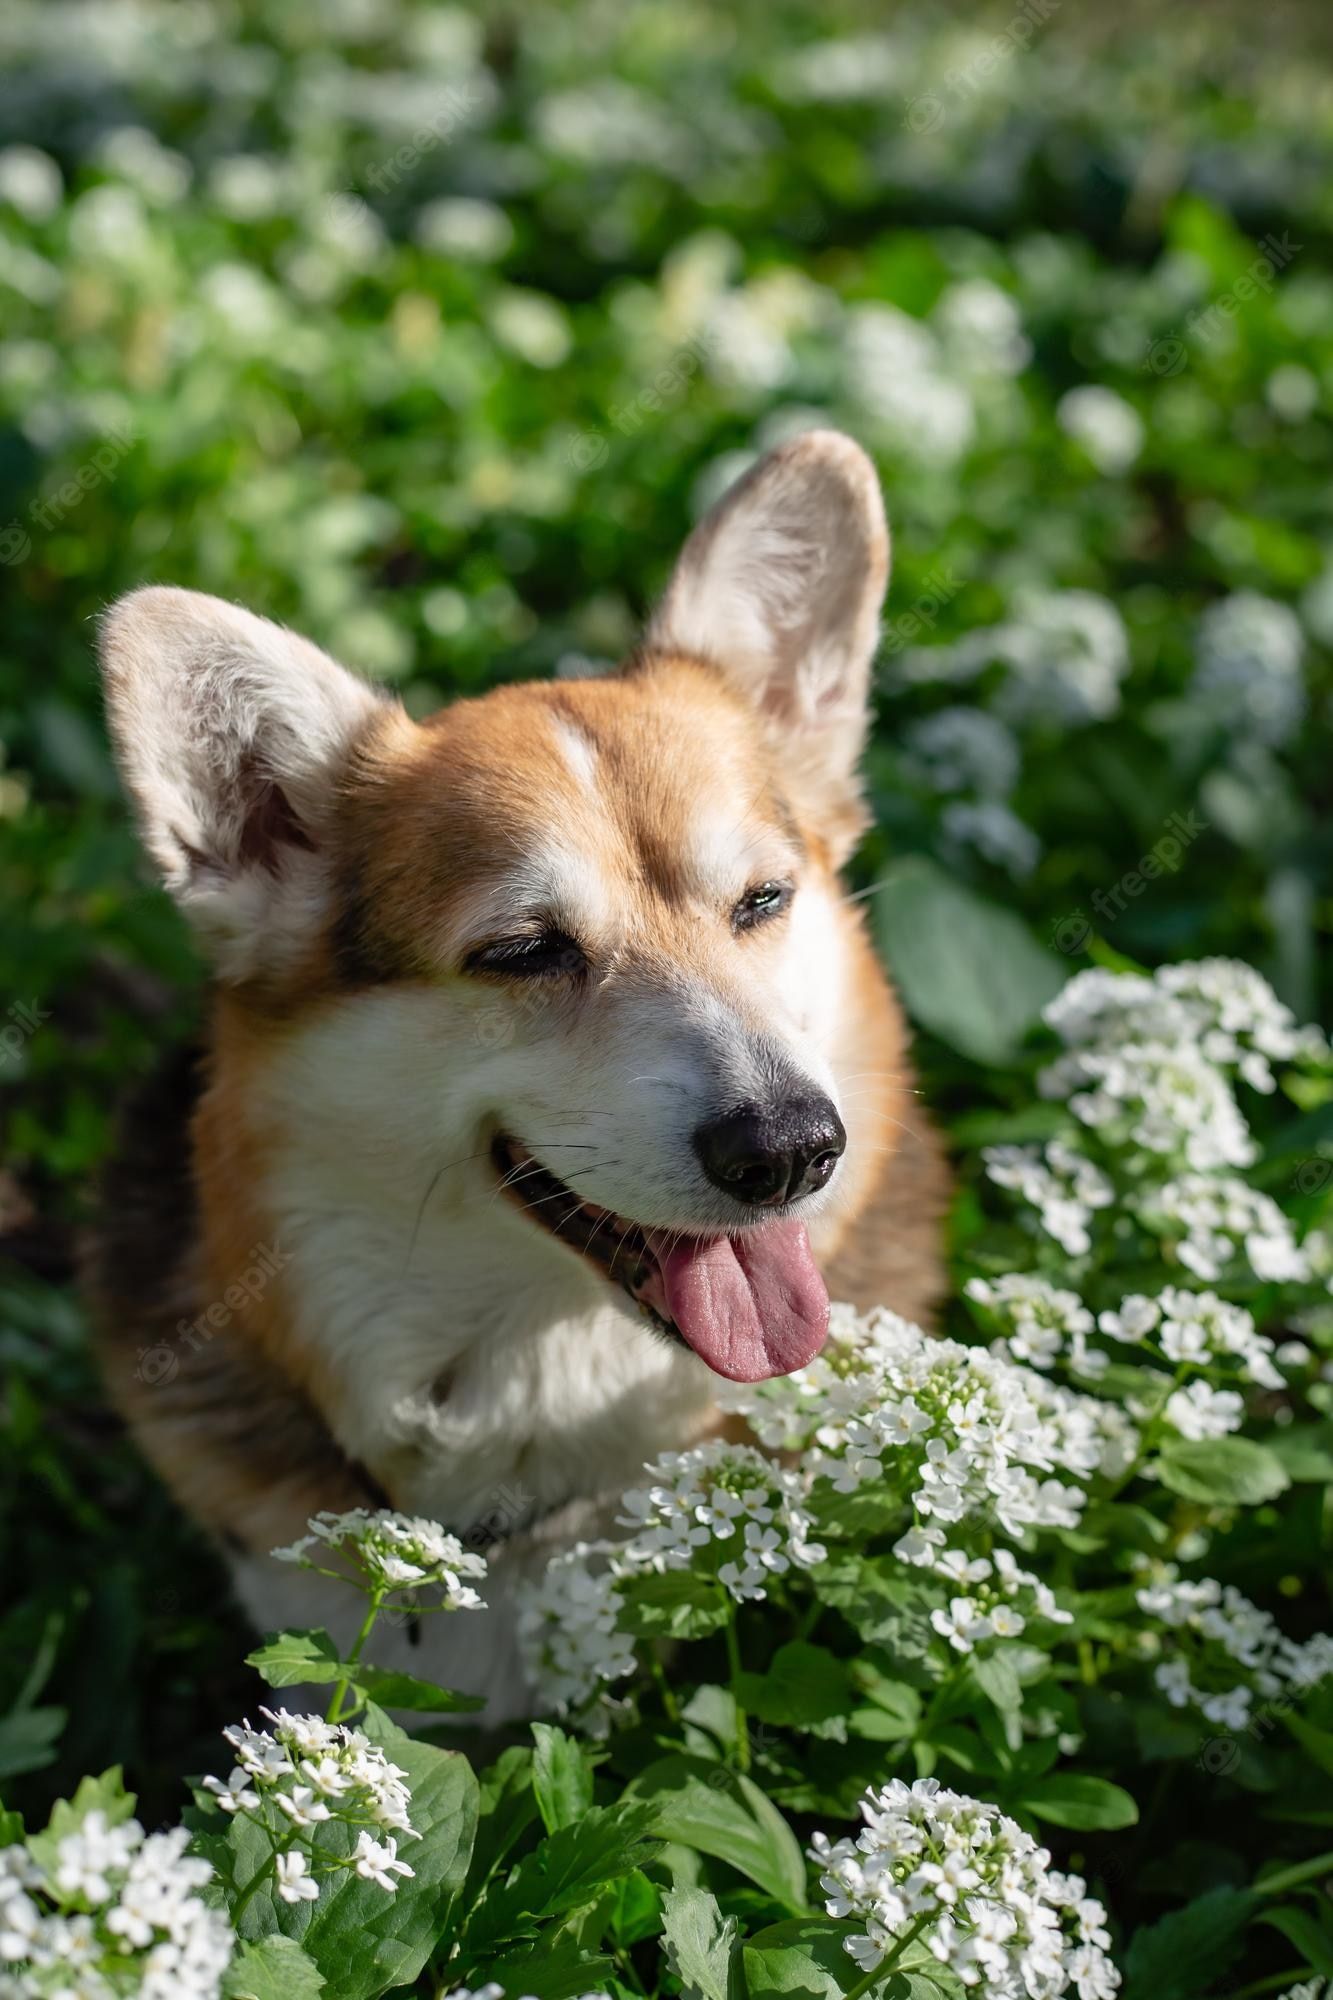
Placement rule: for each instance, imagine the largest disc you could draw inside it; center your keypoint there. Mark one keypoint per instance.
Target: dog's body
(538, 1031)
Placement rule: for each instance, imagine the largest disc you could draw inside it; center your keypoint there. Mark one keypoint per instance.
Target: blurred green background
(430, 330)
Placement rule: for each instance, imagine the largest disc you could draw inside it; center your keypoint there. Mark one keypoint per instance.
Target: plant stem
(260, 1876)
(664, 1687)
(888, 1962)
(344, 1685)
(734, 1668)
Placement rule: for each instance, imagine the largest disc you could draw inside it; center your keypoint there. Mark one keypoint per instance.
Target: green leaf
(888, 1608)
(1184, 1954)
(804, 1684)
(287, 1659)
(561, 1776)
(1317, 1743)
(559, 1970)
(28, 1739)
(679, 1605)
(997, 1677)
(807, 1959)
(1234, 1471)
(701, 1945)
(1311, 1939)
(273, 1969)
(564, 1872)
(937, 936)
(1067, 1799)
(105, 1794)
(1306, 1451)
(362, 1940)
(722, 1813)
(392, 1690)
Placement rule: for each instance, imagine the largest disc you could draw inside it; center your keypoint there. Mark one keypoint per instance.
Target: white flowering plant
(427, 328)
(996, 1591)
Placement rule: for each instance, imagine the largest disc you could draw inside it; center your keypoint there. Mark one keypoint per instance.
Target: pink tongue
(750, 1306)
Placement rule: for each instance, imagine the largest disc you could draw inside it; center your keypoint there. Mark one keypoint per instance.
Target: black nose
(770, 1156)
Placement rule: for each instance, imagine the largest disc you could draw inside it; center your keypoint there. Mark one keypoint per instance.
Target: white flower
(1248, 674)
(377, 1861)
(1215, 1221)
(1165, 1097)
(722, 1507)
(1039, 1320)
(1109, 429)
(146, 1916)
(567, 1629)
(294, 1884)
(962, 750)
(994, 830)
(1063, 1186)
(959, 1431)
(388, 1551)
(994, 1910)
(1199, 1411)
(310, 1771)
(30, 182)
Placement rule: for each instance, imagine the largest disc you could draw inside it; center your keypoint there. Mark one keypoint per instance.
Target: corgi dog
(549, 1075)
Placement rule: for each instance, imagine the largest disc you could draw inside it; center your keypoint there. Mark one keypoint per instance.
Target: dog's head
(587, 934)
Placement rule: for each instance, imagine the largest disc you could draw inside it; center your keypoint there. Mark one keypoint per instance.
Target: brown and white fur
(424, 1339)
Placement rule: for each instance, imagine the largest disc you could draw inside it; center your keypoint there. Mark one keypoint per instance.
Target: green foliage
(452, 419)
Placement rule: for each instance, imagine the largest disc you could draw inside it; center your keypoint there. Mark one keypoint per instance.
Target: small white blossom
(1109, 429)
(294, 1884)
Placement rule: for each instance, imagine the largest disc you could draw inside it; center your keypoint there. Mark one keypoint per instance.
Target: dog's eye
(542, 956)
(758, 905)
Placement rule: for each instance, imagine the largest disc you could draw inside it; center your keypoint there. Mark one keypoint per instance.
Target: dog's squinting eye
(541, 956)
(758, 905)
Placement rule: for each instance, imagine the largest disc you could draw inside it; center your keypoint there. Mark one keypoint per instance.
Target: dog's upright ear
(231, 734)
(780, 585)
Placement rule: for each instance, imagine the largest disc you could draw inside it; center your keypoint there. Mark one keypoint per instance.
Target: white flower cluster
(1197, 1329)
(313, 1772)
(994, 1593)
(119, 1913)
(1220, 1005)
(1214, 1221)
(567, 1628)
(388, 1552)
(982, 1895)
(1164, 1097)
(1228, 1629)
(962, 750)
(1043, 1325)
(1248, 673)
(722, 1508)
(1065, 652)
(961, 1431)
(1063, 1187)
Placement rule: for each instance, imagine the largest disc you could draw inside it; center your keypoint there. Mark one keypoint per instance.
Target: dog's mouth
(751, 1305)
